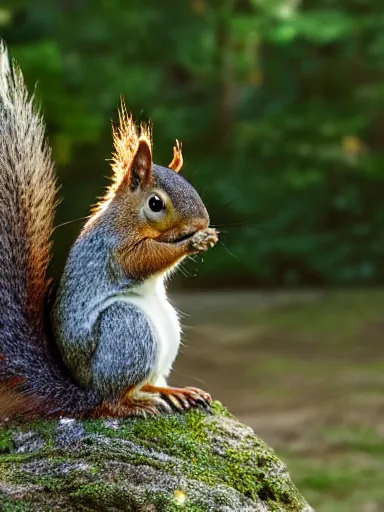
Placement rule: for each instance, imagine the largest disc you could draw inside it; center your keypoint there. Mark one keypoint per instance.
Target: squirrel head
(148, 200)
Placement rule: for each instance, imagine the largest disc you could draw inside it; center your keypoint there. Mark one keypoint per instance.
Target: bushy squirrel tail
(33, 380)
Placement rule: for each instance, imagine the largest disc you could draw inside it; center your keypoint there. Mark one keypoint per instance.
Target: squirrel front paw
(203, 239)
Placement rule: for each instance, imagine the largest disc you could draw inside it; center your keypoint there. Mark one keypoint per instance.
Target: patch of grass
(345, 482)
(333, 312)
(364, 439)
(344, 473)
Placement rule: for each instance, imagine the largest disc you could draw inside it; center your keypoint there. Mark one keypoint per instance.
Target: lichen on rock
(193, 462)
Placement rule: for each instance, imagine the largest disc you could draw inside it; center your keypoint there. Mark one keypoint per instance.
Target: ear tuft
(132, 157)
(177, 162)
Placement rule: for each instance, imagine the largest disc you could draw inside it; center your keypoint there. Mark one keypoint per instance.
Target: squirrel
(105, 344)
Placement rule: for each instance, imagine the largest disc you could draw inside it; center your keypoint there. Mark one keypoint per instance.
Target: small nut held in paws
(202, 240)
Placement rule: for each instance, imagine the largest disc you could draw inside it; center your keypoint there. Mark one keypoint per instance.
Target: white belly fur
(151, 299)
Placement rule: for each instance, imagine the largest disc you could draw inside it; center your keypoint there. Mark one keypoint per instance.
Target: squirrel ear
(177, 162)
(140, 170)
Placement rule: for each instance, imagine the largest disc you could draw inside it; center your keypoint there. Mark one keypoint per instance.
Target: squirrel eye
(156, 204)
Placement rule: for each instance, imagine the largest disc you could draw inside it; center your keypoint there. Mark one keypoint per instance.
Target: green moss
(19, 457)
(102, 494)
(49, 483)
(14, 506)
(243, 463)
(188, 438)
(218, 409)
(46, 429)
(6, 444)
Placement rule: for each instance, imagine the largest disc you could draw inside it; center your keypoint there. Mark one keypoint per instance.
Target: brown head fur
(126, 204)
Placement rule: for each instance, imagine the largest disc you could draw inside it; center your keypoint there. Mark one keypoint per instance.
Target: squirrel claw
(202, 404)
(194, 398)
(176, 402)
(182, 399)
(199, 398)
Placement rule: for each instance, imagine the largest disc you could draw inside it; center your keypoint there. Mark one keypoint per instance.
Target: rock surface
(196, 462)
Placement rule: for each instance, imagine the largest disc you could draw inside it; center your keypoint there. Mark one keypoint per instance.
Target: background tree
(279, 105)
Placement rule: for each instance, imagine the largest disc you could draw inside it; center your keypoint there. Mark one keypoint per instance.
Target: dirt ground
(306, 371)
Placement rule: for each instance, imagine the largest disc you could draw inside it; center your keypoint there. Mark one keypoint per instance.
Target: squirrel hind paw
(182, 399)
(198, 398)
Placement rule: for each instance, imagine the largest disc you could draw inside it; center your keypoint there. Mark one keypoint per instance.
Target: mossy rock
(193, 462)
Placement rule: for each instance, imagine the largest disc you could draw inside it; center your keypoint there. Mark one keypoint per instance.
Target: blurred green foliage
(279, 104)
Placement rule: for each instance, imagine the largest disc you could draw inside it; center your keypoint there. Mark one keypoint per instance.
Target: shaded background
(280, 107)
